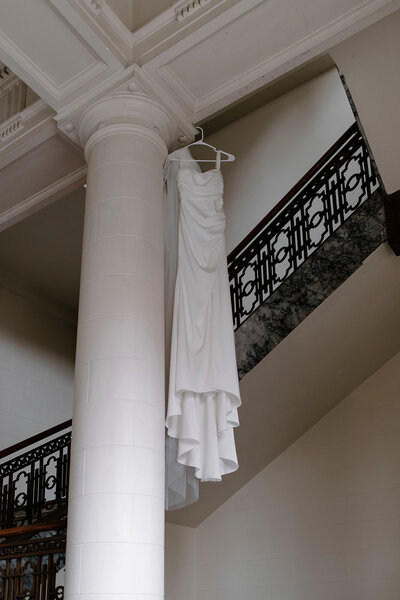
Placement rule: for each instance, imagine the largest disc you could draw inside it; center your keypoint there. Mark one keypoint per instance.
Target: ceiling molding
(11, 127)
(76, 13)
(166, 30)
(258, 75)
(185, 9)
(7, 77)
(36, 125)
(49, 194)
(129, 80)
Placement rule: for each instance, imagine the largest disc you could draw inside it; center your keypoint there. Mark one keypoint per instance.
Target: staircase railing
(301, 222)
(32, 570)
(34, 482)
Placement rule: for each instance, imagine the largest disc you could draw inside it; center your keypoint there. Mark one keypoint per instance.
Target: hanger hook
(202, 132)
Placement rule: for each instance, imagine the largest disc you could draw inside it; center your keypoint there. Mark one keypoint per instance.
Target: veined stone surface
(328, 267)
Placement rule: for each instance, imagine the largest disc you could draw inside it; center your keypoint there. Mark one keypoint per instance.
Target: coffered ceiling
(195, 57)
(200, 54)
(135, 15)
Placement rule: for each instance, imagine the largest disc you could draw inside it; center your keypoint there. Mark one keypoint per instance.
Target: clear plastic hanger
(222, 156)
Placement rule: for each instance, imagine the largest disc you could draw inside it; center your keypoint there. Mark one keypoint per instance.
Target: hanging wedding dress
(203, 383)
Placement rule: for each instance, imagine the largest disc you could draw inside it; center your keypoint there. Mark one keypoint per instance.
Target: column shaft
(115, 546)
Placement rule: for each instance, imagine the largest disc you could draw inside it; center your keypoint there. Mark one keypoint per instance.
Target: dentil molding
(185, 9)
(11, 127)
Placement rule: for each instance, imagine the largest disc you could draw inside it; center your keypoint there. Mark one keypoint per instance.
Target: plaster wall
(275, 146)
(323, 519)
(369, 61)
(180, 562)
(36, 368)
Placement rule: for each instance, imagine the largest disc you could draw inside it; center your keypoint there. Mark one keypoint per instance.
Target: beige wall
(275, 146)
(180, 563)
(370, 64)
(323, 520)
(36, 368)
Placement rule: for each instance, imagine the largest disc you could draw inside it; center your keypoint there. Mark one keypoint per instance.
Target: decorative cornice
(185, 9)
(5, 72)
(38, 125)
(11, 127)
(56, 190)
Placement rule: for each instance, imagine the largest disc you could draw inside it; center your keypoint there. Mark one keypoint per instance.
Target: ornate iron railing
(322, 200)
(35, 483)
(33, 570)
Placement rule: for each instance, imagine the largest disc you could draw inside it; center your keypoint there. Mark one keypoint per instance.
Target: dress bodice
(202, 200)
(203, 183)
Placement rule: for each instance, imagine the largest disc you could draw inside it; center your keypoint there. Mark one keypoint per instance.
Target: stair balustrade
(34, 483)
(332, 190)
(32, 570)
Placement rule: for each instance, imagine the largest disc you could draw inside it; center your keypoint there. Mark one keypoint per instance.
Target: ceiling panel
(45, 39)
(134, 14)
(257, 36)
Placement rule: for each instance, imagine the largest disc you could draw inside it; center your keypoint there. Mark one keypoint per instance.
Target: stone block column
(115, 544)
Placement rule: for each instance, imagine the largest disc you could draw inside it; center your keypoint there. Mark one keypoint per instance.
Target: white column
(115, 542)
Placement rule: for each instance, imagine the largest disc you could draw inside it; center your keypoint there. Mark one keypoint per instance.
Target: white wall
(36, 369)
(275, 146)
(323, 520)
(180, 563)
(370, 64)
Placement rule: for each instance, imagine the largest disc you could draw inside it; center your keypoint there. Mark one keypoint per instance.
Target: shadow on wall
(37, 352)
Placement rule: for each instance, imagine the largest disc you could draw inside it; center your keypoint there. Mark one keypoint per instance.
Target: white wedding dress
(203, 384)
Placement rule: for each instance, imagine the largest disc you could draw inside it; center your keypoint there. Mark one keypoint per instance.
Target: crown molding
(132, 46)
(266, 72)
(184, 9)
(33, 125)
(47, 195)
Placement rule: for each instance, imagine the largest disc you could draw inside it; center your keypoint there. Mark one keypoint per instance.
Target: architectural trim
(37, 125)
(96, 5)
(164, 27)
(295, 55)
(5, 72)
(185, 9)
(47, 195)
(157, 44)
(10, 127)
(39, 81)
(132, 79)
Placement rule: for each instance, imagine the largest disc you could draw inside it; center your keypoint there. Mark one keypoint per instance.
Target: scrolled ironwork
(30, 570)
(323, 200)
(35, 482)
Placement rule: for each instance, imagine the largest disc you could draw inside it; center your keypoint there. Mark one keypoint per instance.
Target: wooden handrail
(32, 528)
(35, 438)
(291, 193)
